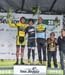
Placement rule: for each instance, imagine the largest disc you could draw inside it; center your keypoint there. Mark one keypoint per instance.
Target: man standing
(41, 39)
(30, 30)
(20, 37)
(61, 43)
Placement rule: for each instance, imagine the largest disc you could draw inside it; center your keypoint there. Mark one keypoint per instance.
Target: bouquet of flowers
(36, 11)
(9, 14)
(56, 22)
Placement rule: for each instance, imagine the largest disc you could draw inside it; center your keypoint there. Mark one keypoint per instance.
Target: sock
(17, 60)
(33, 55)
(21, 60)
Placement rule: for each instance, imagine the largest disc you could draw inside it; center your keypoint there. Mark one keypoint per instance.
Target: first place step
(29, 70)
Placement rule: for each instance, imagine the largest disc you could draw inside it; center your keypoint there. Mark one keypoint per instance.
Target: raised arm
(11, 24)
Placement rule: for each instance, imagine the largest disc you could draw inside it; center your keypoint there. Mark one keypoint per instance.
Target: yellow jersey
(20, 30)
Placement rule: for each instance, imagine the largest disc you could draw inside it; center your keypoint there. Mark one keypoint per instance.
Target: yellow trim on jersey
(21, 33)
(40, 27)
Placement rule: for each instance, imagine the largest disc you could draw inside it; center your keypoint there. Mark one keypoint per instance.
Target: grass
(7, 63)
(11, 63)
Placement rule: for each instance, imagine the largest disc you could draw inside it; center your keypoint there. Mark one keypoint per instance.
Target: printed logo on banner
(29, 69)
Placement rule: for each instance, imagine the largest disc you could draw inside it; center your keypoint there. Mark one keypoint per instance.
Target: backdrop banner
(8, 35)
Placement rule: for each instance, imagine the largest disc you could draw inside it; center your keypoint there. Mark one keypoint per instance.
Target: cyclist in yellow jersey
(20, 38)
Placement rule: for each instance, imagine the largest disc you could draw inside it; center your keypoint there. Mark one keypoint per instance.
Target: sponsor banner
(29, 70)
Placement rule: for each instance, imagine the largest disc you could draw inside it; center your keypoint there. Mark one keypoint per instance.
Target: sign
(29, 70)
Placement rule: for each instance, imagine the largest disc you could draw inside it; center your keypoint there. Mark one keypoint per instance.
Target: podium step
(54, 71)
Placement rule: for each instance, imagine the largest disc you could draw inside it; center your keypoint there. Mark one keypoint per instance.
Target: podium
(29, 70)
(54, 71)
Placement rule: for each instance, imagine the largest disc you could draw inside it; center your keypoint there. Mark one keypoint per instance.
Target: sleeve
(44, 27)
(56, 41)
(48, 40)
(11, 24)
(59, 40)
(26, 30)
